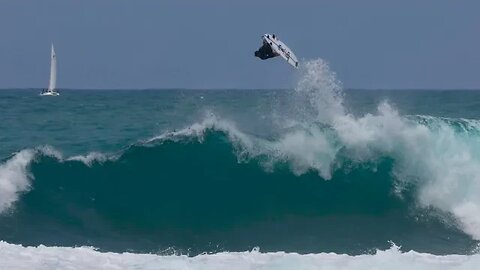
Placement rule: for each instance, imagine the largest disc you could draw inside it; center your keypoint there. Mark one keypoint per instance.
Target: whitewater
(428, 168)
(16, 257)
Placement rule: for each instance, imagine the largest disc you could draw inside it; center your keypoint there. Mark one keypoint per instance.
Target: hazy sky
(210, 43)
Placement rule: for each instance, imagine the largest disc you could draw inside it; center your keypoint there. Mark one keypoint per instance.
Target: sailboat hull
(50, 94)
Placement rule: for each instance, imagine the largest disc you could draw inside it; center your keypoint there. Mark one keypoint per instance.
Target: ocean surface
(315, 177)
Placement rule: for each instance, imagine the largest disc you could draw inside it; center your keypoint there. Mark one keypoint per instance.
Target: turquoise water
(308, 170)
(80, 121)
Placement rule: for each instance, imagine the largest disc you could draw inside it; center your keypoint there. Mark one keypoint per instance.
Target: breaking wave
(325, 167)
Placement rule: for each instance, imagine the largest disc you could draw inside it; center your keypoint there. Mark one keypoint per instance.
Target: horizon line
(236, 89)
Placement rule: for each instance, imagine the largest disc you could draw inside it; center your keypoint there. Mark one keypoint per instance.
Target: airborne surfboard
(273, 47)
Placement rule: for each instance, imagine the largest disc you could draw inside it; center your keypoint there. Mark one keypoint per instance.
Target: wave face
(327, 180)
(192, 193)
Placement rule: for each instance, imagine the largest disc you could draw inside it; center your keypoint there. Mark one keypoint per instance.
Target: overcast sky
(210, 43)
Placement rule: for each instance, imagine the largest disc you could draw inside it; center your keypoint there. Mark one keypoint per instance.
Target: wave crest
(14, 178)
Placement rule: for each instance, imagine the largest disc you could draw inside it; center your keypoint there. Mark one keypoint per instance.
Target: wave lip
(14, 178)
(42, 257)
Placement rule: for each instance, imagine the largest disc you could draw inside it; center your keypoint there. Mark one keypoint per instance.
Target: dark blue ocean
(242, 177)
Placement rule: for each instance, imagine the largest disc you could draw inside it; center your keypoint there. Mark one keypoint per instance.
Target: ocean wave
(42, 257)
(213, 178)
(430, 161)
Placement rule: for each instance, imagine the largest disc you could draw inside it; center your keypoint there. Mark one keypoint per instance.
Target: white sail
(53, 72)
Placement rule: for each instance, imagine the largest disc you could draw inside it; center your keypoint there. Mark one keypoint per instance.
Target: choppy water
(315, 169)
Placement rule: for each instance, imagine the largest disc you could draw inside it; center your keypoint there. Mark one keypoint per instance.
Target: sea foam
(42, 257)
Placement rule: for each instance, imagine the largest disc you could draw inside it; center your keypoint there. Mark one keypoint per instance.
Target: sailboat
(53, 77)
